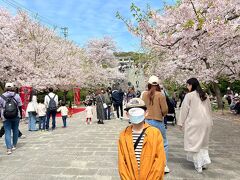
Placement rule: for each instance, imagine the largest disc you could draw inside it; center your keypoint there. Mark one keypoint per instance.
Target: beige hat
(135, 103)
(9, 85)
(153, 80)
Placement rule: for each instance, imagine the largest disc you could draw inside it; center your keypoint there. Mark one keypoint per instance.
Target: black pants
(117, 106)
(2, 132)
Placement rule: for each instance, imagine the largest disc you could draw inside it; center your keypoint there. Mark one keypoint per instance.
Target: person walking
(196, 121)
(51, 102)
(157, 109)
(32, 112)
(108, 102)
(117, 98)
(140, 147)
(64, 113)
(100, 106)
(42, 111)
(89, 113)
(11, 113)
(130, 94)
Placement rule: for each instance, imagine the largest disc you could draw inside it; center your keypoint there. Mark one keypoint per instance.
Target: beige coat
(195, 117)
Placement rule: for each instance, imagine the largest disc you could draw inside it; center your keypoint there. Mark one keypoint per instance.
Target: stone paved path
(90, 152)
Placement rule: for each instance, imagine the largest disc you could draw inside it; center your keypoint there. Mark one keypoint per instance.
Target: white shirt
(63, 110)
(41, 109)
(139, 147)
(47, 100)
(89, 111)
(32, 106)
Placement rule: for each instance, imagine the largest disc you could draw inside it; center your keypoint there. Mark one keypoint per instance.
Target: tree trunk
(65, 96)
(218, 95)
(1, 87)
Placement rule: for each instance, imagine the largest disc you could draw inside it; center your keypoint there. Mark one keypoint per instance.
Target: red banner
(25, 93)
(76, 92)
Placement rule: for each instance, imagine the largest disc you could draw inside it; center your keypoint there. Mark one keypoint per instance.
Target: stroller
(171, 116)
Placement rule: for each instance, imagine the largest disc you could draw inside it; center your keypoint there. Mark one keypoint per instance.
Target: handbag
(104, 104)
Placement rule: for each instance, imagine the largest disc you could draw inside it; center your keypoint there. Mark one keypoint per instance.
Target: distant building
(125, 62)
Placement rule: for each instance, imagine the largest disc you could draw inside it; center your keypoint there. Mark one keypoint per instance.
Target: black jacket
(117, 97)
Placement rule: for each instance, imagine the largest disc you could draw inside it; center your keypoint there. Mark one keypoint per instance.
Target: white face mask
(136, 115)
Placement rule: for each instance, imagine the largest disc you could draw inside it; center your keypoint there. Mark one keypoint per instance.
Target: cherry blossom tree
(11, 63)
(34, 55)
(101, 62)
(199, 38)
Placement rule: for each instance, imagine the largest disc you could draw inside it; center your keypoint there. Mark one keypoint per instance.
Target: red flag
(76, 92)
(25, 93)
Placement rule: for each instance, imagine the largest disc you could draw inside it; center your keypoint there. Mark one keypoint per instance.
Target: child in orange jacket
(140, 149)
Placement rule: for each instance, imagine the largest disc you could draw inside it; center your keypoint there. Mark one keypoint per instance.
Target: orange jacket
(152, 161)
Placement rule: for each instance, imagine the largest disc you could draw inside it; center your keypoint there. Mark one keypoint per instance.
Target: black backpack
(52, 106)
(11, 107)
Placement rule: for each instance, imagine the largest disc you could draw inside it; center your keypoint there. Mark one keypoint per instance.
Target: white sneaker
(14, 148)
(205, 166)
(22, 137)
(199, 169)
(9, 151)
(166, 169)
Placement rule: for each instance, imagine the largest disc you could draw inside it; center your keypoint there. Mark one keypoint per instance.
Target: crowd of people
(12, 113)
(107, 101)
(143, 145)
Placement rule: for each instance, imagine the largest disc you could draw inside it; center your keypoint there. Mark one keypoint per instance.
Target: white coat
(196, 119)
(32, 105)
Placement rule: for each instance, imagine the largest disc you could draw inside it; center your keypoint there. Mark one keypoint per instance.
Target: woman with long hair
(99, 106)
(156, 109)
(32, 112)
(196, 121)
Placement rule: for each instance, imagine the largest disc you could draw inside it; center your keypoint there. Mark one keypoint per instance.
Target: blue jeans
(53, 114)
(42, 122)
(64, 118)
(160, 125)
(32, 121)
(107, 112)
(8, 126)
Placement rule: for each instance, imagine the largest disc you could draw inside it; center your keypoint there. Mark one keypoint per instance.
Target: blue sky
(88, 19)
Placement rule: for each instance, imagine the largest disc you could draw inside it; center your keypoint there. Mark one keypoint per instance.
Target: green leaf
(189, 24)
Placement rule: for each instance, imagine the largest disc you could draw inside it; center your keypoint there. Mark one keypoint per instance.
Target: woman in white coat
(32, 113)
(196, 121)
